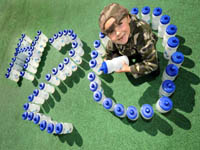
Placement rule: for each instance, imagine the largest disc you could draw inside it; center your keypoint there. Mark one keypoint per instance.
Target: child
(129, 36)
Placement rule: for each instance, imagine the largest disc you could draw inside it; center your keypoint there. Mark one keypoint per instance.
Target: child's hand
(125, 68)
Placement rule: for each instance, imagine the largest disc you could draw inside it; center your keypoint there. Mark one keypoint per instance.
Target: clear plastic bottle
(15, 67)
(64, 128)
(99, 48)
(164, 104)
(177, 59)
(75, 57)
(26, 38)
(104, 39)
(170, 72)
(93, 77)
(75, 38)
(78, 49)
(70, 63)
(41, 93)
(67, 38)
(94, 86)
(65, 69)
(167, 88)
(120, 110)
(70, 32)
(42, 36)
(109, 104)
(52, 79)
(135, 11)
(59, 74)
(132, 113)
(171, 47)
(54, 44)
(38, 48)
(51, 127)
(36, 100)
(31, 107)
(95, 66)
(157, 12)
(40, 44)
(95, 55)
(30, 68)
(170, 32)
(98, 96)
(38, 118)
(12, 77)
(43, 124)
(32, 62)
(146, 14)
(27, 75)
(61, 38)
(47, 87)
(147, 111)
(164, 22)
(18, 62)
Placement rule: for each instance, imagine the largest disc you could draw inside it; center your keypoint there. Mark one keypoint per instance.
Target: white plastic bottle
(31, 107)
(99, 48)
(109, 104)
(67, 38)
(15, 67)
(54, 43)
(93, 77)
(177, 59)
(167, 88)
(132, 113)
(32, 62)
(41, 93)
(42, 36)
(98, 96)
(169, 32)
(38, 118)
(27, 75)
(146, 14)
(135, 11)
(75, 57)
(157, 12)
(18, 61)
(120, 110)
(95, 66)
(60, 75)
(147, 111)
(40, 44)
(47, 88)
(64, 128)
(12, 77)
(61, 38)
(25, 115)
(75, 38)
(65, 69)
(95, 55)
(30, 68)
(94, 86)
(170, 72)
(164, 104)
(51, 125)
(78, 49)
(70, 63)
(26, 38)
(52, 79)
(36, 100)
(104, 39)
(30, 116)
(164, 22)
(171, 47)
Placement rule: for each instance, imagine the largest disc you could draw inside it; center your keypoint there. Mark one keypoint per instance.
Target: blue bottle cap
(91, 76)
(24, 115)
(97, 43)
(36, 119)
(60, 66)
(70, 32)
(36, 38)
(27, 59)
(165, 103)
(50, 128)
(74, 36)
(71, 53)
(55, 36)
(23, 35)
(134, 11)
(171, 70)
(177, 57)
(39, 32)
(43, 125)
(171, 29)
(65, 32)
(146, 10)
(66, 60)
(36, 92)
(54, 71)
(97, 96)
(93, 63)
(60, 33)
(173, 42)
(59, 128)
(74, 44)
(9, 69)
(13, 59)
(22, 73)
(31, 48)
(26, 106)
(168, 86)
(94, 54)
(157, 11)
(165, 19)
(51, 40)
(41, 86)
(107, 103)
(147, 111)
(11, 64)
(119, 110)
(93, 86)
(101, 35)
(132, 112)
(33, 43)
(30, 116)
(31, 97)
(18, 45)
(7, 75)
(104, 67)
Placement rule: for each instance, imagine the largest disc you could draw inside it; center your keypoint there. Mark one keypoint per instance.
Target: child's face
(118, 32)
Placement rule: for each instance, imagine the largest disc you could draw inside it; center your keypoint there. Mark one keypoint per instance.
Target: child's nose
(117, 33)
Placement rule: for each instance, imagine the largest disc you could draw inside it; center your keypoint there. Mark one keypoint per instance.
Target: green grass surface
(96, 128)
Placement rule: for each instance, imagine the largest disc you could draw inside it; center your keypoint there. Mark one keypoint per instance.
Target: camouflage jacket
(141, 47)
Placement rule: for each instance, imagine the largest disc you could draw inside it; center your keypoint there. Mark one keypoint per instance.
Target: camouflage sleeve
(111, 51)
(146, 46)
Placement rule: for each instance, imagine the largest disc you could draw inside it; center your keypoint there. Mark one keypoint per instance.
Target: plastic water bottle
(75, 57)
(40, 44)
(146, 14)
(177, 59)
(38, 48)
(70, 63)
(93, 77)
(32, 62)
(41, 93)
(98, 96)
(47, 88)
(147, 111)
(52, 79)
(170, 72)
(34, 59)
(30, 116)
(171, 47)
(75, 38)
(61, 38)
(42, 36)
(11, 76)
(78, 49)
(64, 128)
(95, 66)
(164, 104)
(36, 100)
(94, 86)
(120, 110)
(51, 127)
(70, 32)
(38, 118)
(27, 75)
(164, 22)
(157, 12)
(31, 107)
(115, 64)
(26, 38)
(109, 104)
(43, 124)
(99, 48)
(60, 75)
(104, 39)
(54, 43)
(20, 56)
(170, 32)
(35, 53)
(18, 61)
(167, 88)
(25, 115)
(15, 67)
(132, 113)
(65, 69)
(135, 11)
(67, 38)
(95, 55)
(30, 68)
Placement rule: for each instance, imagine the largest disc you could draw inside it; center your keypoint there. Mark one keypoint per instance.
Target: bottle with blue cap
(65, 69)
(109, 104)
(51, 127)
(98, 96)
(164, 104)
(61, 38)
(11, 76)
(16, 67)
(135, 11)
(22, 43)
(54, 44)
(26, 38)
(27, 75)
(95, 66)
(170, 31)
(147, 111)
(109, 66)
(120, 110)
(52, 79)
(13, 71)
(78, 49)
(94, 86)
(95, 55)
(40, 44)
(64, 128)
(43, 125)
(157, 13)
(18, 61)
(70, 63)
(41, 94)
(75, 38)
(32, 62)
(39, 117)
(47, 88)
(70, 32)
(99, 48)
(31, 107)
(25, 115)
(34, 59)
(67, 38)
(132, 113)
(75, 57)
(170, 73)
(30, 68)
(20, 55)
(177, 59)
(42, 36)
(104, 39)
(167, 88)
(146, 14)
(30, 116)
(164, 22)
(36, 100)
(93, 77)
(171, 47)
(59, 74)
